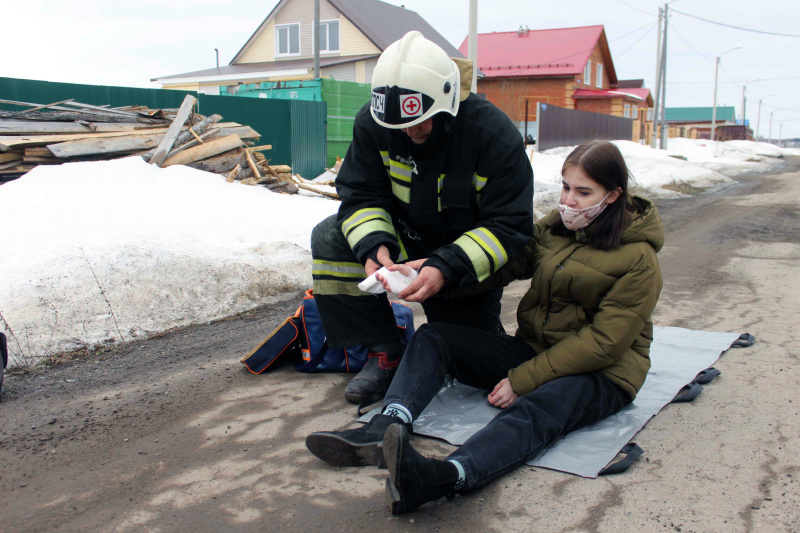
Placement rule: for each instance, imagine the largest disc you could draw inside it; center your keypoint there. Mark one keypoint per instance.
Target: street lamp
(770, 123)
(758, 120)
(744, 100)
(714, 109)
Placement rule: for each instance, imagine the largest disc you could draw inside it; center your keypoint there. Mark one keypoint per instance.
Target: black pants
(352, 318)
(481, 359)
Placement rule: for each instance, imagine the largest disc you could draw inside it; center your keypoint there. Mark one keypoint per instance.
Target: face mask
(575, 219)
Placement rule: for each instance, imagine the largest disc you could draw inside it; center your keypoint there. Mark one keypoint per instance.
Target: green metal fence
(294, 128)
(46, 92)
(344, 99)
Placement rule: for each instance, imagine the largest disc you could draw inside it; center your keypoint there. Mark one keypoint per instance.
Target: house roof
(384, 23)
(631, 84)
(640, 95)
(550, 53)
(380, 22)
(244, 69)
(699, 114)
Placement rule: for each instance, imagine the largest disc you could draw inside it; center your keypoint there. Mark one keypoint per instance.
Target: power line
(690, 44)
(637, 40)
(636, 8)
(737, 81)
(735, 27)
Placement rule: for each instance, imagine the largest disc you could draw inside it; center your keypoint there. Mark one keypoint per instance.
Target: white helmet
(412, 81)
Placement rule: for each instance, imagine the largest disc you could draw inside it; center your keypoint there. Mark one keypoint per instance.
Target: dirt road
(173, 434)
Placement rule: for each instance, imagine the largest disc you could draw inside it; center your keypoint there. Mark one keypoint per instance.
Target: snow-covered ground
(96, 253)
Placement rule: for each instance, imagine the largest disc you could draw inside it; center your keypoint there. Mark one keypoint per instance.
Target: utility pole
(770, 126)
(316, 39)
(780, 136)
(473, 44)
(758, 120)
(657, 88)
(664, 129)
(714, 109)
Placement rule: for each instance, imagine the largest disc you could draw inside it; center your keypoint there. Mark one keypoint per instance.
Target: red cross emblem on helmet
(411, 105)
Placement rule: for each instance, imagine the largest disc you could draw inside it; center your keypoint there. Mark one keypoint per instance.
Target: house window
(599, 80)
(587, 73)
(288, 40)
(627, 112)
(329, 36)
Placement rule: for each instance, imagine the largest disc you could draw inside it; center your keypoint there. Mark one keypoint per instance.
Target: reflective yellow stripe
(480, 263)
(362, 215)
(490, 245)
(366, 228)
(400, 171)
(439, 191)
(335, 287)
(385, 157)
(338, 269)
(366, 221)
(403, 253)
(402, 192)
(479, 182)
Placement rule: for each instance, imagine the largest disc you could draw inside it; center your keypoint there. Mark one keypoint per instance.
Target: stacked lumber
(69, 131)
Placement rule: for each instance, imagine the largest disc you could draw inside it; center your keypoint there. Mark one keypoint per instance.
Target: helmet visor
(397, 107)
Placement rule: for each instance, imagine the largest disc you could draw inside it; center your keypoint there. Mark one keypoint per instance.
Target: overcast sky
(126, 42)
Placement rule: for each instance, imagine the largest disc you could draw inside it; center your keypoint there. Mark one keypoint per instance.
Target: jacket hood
(646, 226)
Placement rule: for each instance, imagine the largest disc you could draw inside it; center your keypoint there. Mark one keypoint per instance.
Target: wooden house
(353, 33)
(566, 67)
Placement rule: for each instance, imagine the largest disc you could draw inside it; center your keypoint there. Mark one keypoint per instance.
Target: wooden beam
(21, 141)
(194, 142)
(5, 158)
(105, 145)
(263, 148)
(45, 106)
(206, 150)
(175, 128)
(13, 126)
(185, 135)
(235, 172)
(252, 164)
(244, 132)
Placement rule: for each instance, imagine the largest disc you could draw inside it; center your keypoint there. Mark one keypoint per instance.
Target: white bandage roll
(396, 279)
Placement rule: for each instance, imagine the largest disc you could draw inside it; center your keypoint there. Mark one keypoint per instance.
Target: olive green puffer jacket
(589, 309)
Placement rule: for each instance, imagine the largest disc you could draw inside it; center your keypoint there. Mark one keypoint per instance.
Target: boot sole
(337, 451)
(392, 456)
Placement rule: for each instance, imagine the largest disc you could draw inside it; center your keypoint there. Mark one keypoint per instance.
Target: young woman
(580, 353)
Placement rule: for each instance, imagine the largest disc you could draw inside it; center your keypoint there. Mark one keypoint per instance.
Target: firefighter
(437, 178)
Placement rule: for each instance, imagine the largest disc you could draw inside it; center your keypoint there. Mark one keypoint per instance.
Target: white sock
(462, 476)
(395, 409)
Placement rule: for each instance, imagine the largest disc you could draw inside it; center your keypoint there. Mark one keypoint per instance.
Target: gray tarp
(677, 356)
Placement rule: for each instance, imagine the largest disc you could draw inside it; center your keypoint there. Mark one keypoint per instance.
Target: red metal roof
(557, 52)
(588, 93)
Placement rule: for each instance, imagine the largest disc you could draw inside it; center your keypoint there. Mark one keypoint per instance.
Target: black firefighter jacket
(467, 207)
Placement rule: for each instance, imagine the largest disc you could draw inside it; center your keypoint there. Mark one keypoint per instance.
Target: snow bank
(97, 251)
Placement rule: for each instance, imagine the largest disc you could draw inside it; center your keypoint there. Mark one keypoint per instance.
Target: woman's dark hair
(603, 162)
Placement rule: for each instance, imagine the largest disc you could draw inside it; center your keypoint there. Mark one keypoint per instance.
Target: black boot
(413, 479)
(352, 447)
(370, 385)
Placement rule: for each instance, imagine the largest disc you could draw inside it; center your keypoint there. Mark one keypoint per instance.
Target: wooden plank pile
(69, 131)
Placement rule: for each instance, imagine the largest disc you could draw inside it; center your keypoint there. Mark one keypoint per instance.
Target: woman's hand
(503, 395)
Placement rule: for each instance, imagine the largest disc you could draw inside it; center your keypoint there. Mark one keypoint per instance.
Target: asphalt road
(173, 434)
